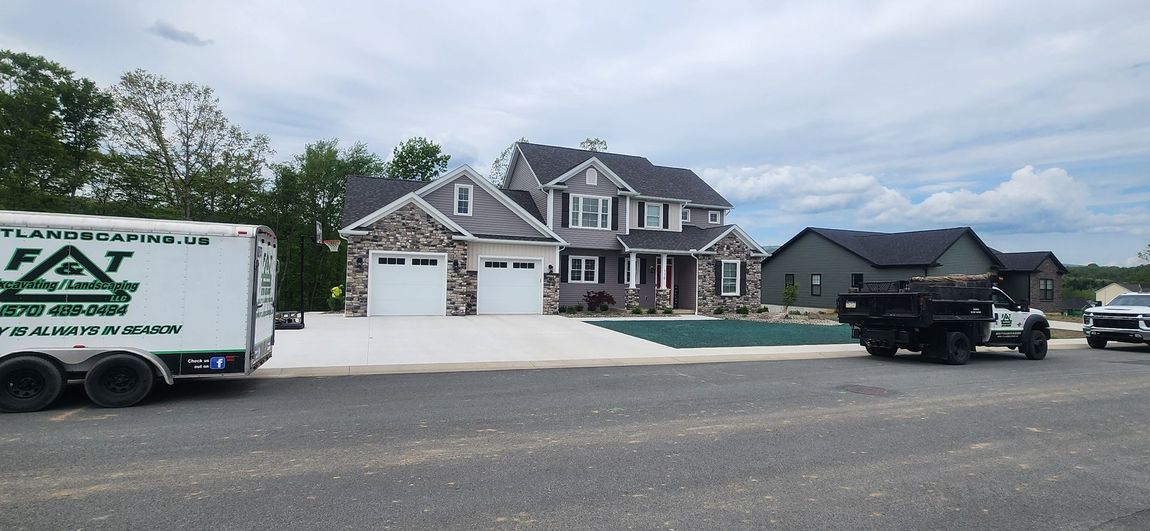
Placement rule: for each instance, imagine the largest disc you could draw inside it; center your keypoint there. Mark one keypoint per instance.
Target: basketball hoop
(332, 245)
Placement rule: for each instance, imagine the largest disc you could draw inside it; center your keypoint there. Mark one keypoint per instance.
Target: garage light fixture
(455, 264)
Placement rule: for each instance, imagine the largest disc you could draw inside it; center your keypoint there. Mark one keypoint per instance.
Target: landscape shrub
(668, 311)
(578, 307)
(637, 311)
(335, 301)
(562, 309)
(762, 309)
(650, 311)
(604, 307)
(719, 310)
(598, 299)
(743, 310)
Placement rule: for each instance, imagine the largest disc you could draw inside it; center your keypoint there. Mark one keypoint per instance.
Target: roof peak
(592, 152)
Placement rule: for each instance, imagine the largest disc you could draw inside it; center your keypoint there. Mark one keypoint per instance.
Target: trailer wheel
(957, 348)
(119, 380)
(29, 383)
(882, 352)
(1035, 345)
(1096, 342)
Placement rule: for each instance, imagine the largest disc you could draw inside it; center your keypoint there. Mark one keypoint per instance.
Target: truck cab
(1010, 319)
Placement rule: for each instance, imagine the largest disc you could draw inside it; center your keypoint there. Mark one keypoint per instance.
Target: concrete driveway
(333, 340)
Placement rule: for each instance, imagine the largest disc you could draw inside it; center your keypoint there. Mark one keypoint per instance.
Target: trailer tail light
(78, 346)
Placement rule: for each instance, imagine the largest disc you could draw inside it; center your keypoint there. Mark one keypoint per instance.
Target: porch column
(663, 271)
(634, 267)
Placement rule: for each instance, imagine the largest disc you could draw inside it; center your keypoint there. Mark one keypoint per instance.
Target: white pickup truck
(1125, 320)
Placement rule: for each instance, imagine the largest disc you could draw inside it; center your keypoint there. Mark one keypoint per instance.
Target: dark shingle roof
(691, 238)
(523, 199)
(516, 238)
(1027, 261)
(882, 249)
(364, 195)
(549, 162)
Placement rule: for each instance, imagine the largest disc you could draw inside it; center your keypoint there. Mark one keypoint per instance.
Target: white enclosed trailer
(121, 302)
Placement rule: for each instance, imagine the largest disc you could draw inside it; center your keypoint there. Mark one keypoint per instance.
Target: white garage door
(508, 285)
(407, 284)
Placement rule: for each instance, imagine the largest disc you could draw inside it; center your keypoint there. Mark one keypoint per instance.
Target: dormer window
(592, 177)
(713, 216)
(463, 199)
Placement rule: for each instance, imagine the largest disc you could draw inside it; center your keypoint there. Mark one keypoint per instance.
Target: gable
(361, 225)
(489, 216)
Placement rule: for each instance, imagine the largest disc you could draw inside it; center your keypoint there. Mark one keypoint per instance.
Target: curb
(852, 351)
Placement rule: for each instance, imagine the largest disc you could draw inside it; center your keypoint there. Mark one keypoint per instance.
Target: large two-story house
(562, 223)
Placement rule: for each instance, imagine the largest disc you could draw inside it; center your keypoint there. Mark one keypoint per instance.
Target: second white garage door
(510, 286)
(407, 284)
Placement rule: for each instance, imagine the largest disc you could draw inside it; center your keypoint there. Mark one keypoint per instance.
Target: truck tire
(29, 383)
(1096, 342)
(882, 352)
(119, 380)
(957, 349)
(1034, 345)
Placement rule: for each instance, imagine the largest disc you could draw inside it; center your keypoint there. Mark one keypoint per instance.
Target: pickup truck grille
(1109, 322)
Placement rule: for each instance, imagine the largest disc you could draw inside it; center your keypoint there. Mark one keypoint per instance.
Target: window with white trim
(653, 215)
(463, 199)
(589, 212)
(816, 284)
(685, 215)
(582, 269)
(592, 176)
(731, 277)
(713, 216)
(627, 270)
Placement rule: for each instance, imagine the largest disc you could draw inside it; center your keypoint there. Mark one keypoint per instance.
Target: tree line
(154, 148)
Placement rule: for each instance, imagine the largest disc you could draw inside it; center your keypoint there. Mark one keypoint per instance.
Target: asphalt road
(1001, 443)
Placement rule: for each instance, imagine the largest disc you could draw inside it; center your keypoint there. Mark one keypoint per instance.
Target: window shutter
(614, 213)
(566, 215)
(642, 214)
(602, 269)
(563, 263)
(666, 216)
(718, 277)
(642, 270)
(743, 278)
(622, 264)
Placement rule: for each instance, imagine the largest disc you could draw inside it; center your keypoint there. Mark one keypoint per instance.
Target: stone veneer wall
(550, 293)
(729, 248)
(409, 229)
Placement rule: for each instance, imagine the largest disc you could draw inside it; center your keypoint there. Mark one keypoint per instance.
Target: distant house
(1114, 289)
(1033, 276)
(826, 262)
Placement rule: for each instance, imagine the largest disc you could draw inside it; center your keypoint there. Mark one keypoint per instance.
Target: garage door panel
(508, 286)
(407, 285)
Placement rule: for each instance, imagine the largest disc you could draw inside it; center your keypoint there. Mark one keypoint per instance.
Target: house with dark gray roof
(563, 222)
(826, 262)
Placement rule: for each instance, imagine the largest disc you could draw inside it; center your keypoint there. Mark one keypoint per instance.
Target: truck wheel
(882, 352)
(1096, 342)
(1035, 345)
(29, 384)
(957, 348)
(119, 380)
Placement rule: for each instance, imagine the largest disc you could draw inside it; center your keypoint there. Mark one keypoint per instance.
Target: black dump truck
(942, 317)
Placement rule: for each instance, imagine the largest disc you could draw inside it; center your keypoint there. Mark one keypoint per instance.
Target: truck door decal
(68, 262)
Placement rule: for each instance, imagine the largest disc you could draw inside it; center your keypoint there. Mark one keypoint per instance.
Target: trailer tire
(957, 348)
(29, 383)
(119, 380)
(1035, 345)
(1096, 342)
(882, 352)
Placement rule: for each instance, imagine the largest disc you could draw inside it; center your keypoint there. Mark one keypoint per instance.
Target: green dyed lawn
(697, 334)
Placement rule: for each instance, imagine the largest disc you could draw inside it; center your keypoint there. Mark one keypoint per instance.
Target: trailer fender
(82, 359)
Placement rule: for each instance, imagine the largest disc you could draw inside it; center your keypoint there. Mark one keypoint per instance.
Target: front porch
(634, 280)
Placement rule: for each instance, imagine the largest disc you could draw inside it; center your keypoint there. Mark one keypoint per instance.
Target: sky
(1029, 121)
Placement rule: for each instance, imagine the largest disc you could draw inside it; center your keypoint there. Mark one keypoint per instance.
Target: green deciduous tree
(307, 189)
(593, 144)
(790, 295)
(174, 148)
(1144, 254)
(417, 159)
(51, 125)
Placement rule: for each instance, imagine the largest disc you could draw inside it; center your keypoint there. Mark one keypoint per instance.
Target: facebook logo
(217, 362)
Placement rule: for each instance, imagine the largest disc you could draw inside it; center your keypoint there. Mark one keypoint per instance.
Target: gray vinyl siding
(699, 217)
(589, 238)
(965, 257)
(571, 293)
(523, 179)
(488, 215)
(815, 254)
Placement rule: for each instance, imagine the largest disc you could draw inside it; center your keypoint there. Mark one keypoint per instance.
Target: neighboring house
(1114, 289)
(564, 222)
(826, 262)
(1033, 276)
